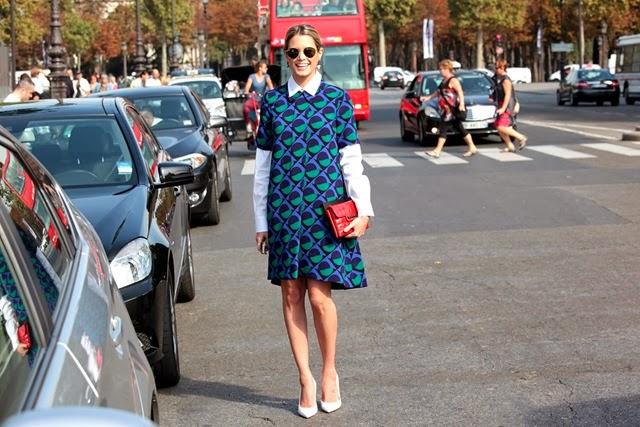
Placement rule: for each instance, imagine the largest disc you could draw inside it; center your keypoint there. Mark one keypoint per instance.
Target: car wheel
(404, 133)
(574, 99)
(227, 194)
(627, 99)
(167, 369)
(212, 217)
(422, 136)
(615, 101)
(187, 288)
(559, 98)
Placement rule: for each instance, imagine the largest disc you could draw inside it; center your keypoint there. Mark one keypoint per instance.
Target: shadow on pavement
(228, 392)
(621, 411)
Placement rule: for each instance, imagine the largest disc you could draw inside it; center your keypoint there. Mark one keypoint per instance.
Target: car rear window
(77, 152)
(594, 75)
(207, 89)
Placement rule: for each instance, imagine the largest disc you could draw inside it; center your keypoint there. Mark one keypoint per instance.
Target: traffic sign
(562, 47)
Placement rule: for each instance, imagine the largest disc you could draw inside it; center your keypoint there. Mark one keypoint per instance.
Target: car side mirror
(174, 174)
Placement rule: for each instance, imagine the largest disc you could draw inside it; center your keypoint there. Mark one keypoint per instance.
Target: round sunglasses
(309, 52)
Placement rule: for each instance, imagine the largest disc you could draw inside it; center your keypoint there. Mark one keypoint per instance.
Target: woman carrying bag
(451, 103)
(308, 155)
(507, 109)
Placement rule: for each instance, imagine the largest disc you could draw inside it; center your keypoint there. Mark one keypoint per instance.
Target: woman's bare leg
(439, 147)
(325, 318)
(512, 133)
(469, 140)
(506, 139)
(295, 319)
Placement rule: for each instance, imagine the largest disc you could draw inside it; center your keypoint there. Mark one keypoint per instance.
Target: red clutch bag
(340, 214)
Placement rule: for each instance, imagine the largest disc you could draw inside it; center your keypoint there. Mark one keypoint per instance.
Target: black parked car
(184, 128)
(392, 79)
(109, 163)
(590, 85)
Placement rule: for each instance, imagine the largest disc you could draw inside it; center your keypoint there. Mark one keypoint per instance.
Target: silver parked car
(66, 338)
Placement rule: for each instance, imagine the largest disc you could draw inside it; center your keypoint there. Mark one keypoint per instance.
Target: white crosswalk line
(381, 160)
(613, 148)
(444, 159)
(563, 153)
(496, 154)
(249, 167)
(566, 129)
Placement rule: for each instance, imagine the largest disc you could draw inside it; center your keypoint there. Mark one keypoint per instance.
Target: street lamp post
(139, 60)
(12, 24)
(176, 47)
(124, 59)
(205, 56)
(56, 55)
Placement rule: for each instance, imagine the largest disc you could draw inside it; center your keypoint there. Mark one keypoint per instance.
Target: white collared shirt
(356, 183)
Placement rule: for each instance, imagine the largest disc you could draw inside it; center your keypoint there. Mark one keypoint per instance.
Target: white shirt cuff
(261, 188)
(357, 184)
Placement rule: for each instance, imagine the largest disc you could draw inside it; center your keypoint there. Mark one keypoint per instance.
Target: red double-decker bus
(341, 24)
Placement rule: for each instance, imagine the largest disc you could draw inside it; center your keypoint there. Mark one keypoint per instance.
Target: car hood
(180, 142)
(477, 99)
(118, 214)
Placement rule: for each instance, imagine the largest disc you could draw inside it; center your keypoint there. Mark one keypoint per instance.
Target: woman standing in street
(505, 104)
(308, 154)
(257, 85)
(451, 97)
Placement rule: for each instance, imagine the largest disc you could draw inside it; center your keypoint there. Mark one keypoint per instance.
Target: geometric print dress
(304, 134)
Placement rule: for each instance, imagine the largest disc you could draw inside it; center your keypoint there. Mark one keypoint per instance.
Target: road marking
(563, 153)
(497, 154)
(381, 160)
(565, 129)
(444, 159)
(249, 167)
(613, 148)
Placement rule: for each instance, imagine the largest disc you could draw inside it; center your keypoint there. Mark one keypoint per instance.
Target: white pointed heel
(312, 410)
(332, 406)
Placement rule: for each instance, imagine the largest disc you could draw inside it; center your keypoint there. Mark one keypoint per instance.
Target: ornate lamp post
(176, 47)
(205, 55)
(139, 60)
(57, 54)
(124, 59)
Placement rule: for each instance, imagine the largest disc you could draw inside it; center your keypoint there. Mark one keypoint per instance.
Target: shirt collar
(311, 88)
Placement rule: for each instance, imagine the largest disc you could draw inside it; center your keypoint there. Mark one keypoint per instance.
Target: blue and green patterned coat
(304, 134)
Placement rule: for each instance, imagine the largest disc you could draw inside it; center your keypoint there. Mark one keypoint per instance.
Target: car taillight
(582, 84)
(614, 83)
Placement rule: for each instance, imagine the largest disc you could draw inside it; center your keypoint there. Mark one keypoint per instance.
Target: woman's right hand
(261, 242)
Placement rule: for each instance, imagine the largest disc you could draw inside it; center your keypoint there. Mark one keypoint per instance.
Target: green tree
(78, 33)
(478, 17)
(388, 15)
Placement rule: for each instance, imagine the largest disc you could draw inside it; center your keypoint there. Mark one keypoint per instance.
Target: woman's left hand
(358, 227)
(462, 107)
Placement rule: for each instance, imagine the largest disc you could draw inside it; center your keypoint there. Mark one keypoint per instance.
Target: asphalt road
(503, 291)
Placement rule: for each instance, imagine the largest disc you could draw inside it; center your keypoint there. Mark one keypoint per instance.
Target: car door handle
(115, 330)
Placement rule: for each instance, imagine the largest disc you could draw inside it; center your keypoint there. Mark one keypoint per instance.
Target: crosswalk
(591, 151)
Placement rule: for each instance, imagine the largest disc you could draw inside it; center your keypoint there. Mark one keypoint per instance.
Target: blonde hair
(446, 64)
(303, 30)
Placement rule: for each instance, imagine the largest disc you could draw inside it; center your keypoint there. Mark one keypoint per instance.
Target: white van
(379, 71)
(519, 74)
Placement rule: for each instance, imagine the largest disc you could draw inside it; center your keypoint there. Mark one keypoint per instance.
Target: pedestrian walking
(104, 84)
(141, 80)
(154, 79)
(23, 91)
(451, 104)
(507, 109)
(81, 86)
(308, 154)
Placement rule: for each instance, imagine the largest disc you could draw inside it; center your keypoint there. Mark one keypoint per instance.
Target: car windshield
(594, 75)
(207, 89)
(472, 84)
(166, 112)
(77, 152)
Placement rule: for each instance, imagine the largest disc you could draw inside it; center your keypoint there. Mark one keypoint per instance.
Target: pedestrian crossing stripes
(563, 153)
(497, 154)
(613, 148)
(385, 160)
(381, 160)
(444, 159)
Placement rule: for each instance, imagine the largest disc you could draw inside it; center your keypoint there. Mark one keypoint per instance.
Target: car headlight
(220, 111)
(132, 264)
(195, 160)
(431, 112)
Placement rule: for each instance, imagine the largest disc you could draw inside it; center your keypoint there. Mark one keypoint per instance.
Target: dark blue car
(109, 163)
